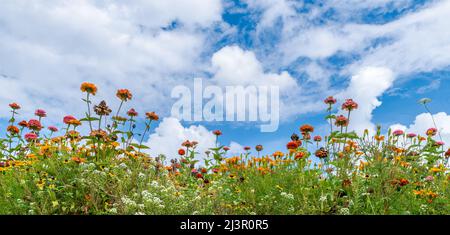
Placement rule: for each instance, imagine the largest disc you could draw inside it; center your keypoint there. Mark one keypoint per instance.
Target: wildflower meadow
(107, 170)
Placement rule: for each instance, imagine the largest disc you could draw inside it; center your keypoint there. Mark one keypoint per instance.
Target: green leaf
(140, 146)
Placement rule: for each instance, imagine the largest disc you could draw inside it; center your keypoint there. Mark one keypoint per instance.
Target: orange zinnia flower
(89, 88)
(152, 116)
(124, 94)
(13, 130)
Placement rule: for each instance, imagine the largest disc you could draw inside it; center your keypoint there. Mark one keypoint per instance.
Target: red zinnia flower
(217, 132)
(247, 148)
(181, 152)
(292, 145)
(411, 135)
(330, 100)
(299, 155)
(447, 154)
(317, 138)
(68, 119)
(14, 106)
(349, 105)
(306, 128)
(226, 148)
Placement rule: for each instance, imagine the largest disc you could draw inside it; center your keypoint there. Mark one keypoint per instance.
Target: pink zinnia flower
(429, 178)
(349, 105)
(226, 148)
(431, 131)
(330, 100)
(398, 133)
(439, 143)
(40, 113)
(53, 128)
(341, 121)
(67, 119)
(317, 138)
(34, 125)
(132, 113)
(411, 135)
(30, 137)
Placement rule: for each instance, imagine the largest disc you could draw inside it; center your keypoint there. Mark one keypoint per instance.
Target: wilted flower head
(89, 88)
(349, 105)
(124, 94)
(132, 113)
(398, 132)
(40, 113)
(341, 121)
(14, 106)
(321, 153)
(431, 131)
(259, 148)
(152, 116)
(53, 128)
(102, 109)
(35, 125)
(330, 100)
(306, 128)
(294, 137)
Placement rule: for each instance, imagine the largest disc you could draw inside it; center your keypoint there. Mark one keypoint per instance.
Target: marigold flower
(398, 132)
(349, 105)
(217, 132)
(30, 137)
(317, 138)
(330, 100)
(89, 88)
(341, 121)
(40, 113)
(13, 130)
(52, 128)
(23, 123)
(278, 154)
(306, 128)
(431, 131)
(292, 145)
(132, 113)
(152, 116)
(124, 94)
(14, 106)
(34, 125)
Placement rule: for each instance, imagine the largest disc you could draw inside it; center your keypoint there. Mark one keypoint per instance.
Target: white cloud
(48, 48)
(365, 88)
(424, 121)
(169, 135)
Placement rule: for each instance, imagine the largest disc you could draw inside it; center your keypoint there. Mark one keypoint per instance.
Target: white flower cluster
(287, 195)
(150, 198)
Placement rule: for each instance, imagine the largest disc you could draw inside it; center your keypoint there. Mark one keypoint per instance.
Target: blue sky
(386, 54)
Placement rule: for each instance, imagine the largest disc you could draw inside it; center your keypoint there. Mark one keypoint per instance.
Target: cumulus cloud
(424, 121)
(48, 48)
(170, 133)
(365, 88)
